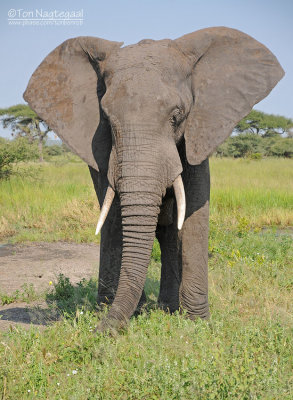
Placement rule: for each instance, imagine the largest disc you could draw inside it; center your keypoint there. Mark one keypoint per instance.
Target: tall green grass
(259, 191)
(58, 202)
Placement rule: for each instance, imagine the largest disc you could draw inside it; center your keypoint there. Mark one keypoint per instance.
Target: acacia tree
(263, 124)
(24, 122)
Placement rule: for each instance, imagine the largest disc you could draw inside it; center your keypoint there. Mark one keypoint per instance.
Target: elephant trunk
(139, 212)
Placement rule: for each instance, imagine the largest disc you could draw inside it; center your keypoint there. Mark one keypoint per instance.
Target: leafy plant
(67, 297)
(24, 122)
(26, 294)
(12, 152)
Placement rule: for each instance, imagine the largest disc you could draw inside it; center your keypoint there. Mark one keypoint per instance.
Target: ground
(39, 264)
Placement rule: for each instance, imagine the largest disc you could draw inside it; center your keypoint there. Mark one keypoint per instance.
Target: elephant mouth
(179, 195)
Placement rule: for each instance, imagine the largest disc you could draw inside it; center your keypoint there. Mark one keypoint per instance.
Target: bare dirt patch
(38, 264)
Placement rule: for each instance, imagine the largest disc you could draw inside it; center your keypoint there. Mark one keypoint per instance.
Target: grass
(259, 191)
(245, 351)
(57, 201)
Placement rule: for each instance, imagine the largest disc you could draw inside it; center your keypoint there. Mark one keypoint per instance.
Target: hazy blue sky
(24, 47)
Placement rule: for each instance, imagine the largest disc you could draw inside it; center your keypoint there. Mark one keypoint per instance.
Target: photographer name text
(45, 14)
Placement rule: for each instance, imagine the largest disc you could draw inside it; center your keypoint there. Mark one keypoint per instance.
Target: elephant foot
(168, 308)
(203, 313)
(194, 303)
(168, 305)
(114, 326)
(194, 317)
(110, 326)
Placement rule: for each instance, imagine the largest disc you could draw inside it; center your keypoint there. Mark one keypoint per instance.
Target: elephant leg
(171, 267)
(110, 255)
(193, 292)
(110, 245)
(184, 257)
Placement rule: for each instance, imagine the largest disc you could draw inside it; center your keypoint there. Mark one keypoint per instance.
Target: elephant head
(124, 110)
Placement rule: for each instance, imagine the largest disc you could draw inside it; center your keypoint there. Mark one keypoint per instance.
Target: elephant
(145, 118)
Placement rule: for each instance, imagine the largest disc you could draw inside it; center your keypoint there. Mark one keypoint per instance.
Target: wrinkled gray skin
(140, 116)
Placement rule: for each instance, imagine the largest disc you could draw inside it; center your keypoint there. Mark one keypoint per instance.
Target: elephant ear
(63, 92)
(231, 72)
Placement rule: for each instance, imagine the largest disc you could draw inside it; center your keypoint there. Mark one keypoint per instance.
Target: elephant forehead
(160, 56)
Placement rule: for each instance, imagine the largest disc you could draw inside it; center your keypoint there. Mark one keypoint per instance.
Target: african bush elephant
(145, 118)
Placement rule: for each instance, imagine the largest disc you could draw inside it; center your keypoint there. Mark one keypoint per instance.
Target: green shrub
(14, 151)
(256, 156)
(67, 297)
(255, 146)
(280, 147)
(54, 150)
(242, 145)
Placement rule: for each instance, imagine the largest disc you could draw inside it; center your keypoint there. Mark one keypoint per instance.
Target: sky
(24, 47)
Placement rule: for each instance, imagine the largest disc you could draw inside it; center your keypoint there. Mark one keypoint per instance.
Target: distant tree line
(253, 146)
(259, 135)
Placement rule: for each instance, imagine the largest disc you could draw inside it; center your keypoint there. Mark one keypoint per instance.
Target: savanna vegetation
(56, 200)
(249, 145)
(259, 135)
(244, 352)
(24, 122)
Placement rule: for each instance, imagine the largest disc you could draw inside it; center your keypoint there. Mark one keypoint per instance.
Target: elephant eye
(174, 120)
(177, 117)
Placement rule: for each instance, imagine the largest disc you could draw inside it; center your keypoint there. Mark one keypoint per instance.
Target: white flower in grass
(81, 313)
(74, 372)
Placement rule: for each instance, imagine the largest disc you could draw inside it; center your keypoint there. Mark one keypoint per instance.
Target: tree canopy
(24, 122)
(263, 124)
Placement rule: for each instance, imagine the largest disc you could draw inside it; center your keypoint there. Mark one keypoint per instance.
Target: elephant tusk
(110, 194)
(180, 199)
